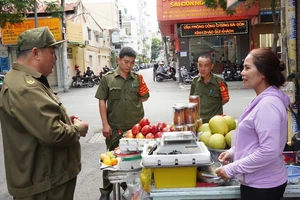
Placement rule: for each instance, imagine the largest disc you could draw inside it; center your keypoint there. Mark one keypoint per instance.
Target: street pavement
(81, 102)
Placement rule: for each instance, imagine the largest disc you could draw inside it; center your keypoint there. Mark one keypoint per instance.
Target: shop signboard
(168, 10)
(11, 32)
(214, 28)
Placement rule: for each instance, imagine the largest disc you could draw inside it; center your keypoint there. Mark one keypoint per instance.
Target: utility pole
(35, 15)
(65, 81)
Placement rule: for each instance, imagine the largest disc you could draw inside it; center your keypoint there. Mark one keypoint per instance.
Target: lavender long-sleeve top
(260, 139)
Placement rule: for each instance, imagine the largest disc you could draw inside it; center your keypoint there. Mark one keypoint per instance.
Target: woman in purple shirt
(262, 131)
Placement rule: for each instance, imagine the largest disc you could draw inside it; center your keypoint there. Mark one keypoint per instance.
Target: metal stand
(118, 177)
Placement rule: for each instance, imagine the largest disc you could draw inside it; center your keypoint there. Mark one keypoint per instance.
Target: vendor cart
(221, 192)
(117, 177)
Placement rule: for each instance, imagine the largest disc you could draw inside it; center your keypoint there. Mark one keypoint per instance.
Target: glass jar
(196, 99)
(190, 112)
(198, 124)
(178, 115)
(191, 127)
(178, 128)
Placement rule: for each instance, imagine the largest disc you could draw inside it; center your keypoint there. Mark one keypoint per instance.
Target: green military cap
(37, 37)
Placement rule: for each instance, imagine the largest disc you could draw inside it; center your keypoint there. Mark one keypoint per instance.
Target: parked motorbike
(96, 79)
(238, 75)
(229, 73)
(79, 81)
(169, 73)
(188, 76)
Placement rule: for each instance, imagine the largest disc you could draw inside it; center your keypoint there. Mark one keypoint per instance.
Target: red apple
(166, 129)
(158, 135)
(144, 122)
(170, 127)
(139, 136)
(154, 128)
(136, 129)
(161, 125)
(129, 134)
(149, 136)
(146, 129)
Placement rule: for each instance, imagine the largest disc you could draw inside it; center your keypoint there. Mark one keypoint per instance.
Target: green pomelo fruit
(230, 122)
(110, 154)
(217, 141)
(205, 136)
(218, 124)
(204, 127)
(228, 138)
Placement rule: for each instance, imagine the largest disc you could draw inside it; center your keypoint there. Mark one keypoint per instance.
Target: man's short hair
(127, 51)
(205, 56)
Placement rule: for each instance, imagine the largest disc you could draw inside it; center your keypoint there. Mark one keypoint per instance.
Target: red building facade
(194, 30)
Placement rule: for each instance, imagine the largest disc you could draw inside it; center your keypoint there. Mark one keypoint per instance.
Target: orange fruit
(107, 161)
(114, 161)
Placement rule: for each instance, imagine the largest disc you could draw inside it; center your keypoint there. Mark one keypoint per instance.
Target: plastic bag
(145, 178)
(140, 195)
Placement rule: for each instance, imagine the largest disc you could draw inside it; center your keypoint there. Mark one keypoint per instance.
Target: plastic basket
(293, 174)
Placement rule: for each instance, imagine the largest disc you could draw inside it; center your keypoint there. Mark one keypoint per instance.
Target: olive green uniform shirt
(124, 105)
(210, 96)
(41, 145)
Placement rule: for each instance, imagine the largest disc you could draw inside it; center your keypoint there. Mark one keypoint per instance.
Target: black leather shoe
(104, 197)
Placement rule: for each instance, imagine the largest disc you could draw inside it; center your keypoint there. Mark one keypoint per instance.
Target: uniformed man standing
(121, 94)
(40, 141)
(211, 88)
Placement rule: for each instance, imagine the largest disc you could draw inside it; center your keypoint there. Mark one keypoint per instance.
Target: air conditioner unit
(86, 42)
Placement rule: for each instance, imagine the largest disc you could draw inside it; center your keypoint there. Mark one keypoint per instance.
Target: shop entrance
(224, 50)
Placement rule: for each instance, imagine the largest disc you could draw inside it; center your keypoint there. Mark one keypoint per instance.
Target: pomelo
(228, 138)
(217, 141)
(205, 136)
(230, 122)
(204, 127)
(218, 124)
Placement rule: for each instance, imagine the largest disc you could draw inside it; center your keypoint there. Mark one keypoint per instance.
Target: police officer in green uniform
(121, 94)
(41, 142)
(207, 86)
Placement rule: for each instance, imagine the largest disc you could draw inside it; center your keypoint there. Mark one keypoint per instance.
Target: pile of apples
(144, 130)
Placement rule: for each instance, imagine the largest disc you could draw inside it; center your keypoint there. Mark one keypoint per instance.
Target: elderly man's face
(48, 60)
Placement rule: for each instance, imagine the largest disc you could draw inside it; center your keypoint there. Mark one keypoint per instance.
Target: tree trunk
(276, 26)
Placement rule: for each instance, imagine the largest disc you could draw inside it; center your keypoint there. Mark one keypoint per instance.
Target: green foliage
(214, 4)
(156, 46)
(54, 8)
(113, 59)
(12, 11)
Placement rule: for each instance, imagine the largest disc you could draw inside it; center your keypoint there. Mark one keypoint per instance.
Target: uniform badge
(30, 82)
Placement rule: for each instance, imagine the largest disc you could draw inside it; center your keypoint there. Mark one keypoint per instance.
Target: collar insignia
(30, 82)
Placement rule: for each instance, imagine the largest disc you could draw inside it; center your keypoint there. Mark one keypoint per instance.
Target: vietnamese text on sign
(214, 28)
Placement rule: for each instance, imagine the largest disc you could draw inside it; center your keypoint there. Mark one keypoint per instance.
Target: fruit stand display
(178, 161)
(123, 164)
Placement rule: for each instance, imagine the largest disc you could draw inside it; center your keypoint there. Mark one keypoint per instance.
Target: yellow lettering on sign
(187, 3)
(174, 4)
(11, 32)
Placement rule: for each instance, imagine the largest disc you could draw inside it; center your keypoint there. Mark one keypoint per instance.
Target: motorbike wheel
(159, 78)
(186, 81)
(73, 84)
(91, 83)
(97, 81)
(174, 78)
